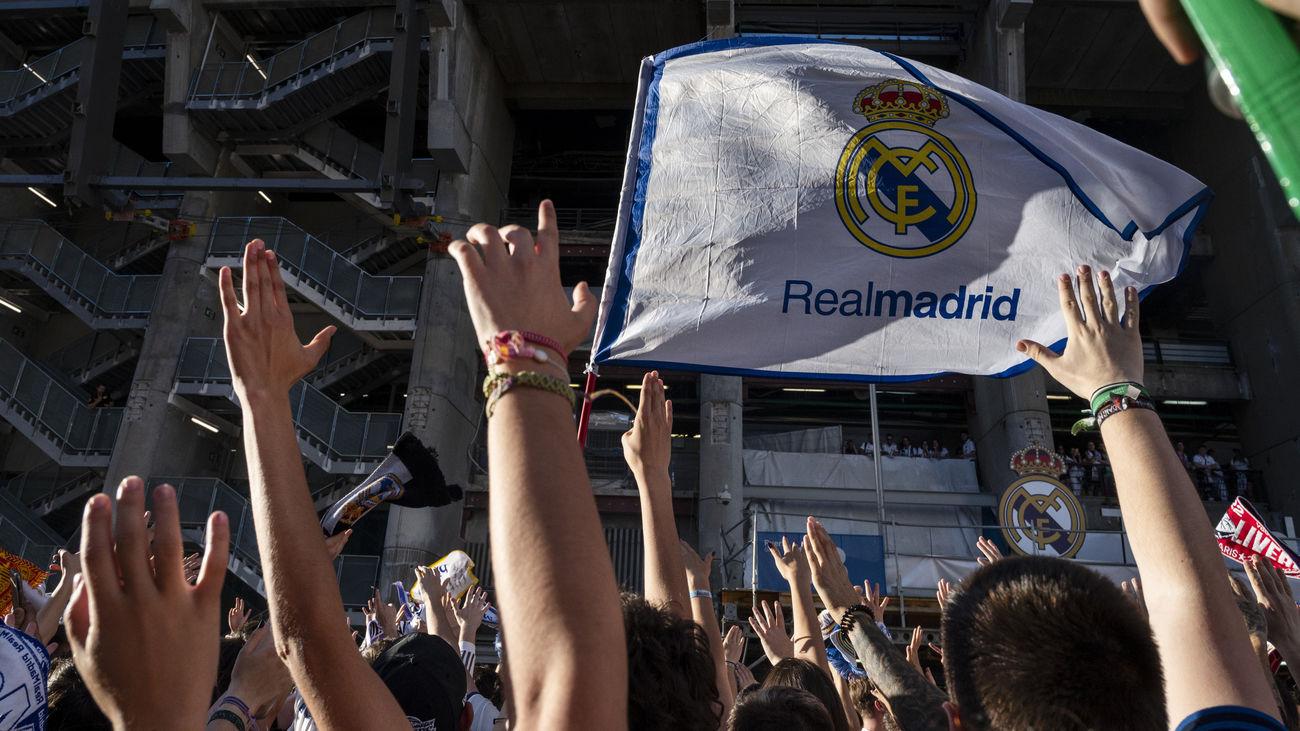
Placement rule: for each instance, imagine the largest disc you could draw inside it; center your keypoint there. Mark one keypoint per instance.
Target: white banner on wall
(817, 209)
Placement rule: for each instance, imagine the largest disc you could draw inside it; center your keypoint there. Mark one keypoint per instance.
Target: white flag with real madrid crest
(821, 210)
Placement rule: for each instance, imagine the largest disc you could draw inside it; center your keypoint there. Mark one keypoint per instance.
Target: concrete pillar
(155, 440)
(192, 37)
(722, 477)
(466, 96)
(1011, 413)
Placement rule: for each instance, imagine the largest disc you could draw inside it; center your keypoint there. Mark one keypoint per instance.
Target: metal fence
(53, 408)
(143, 33)
(98, 288)
(344, 435)
(360, 294)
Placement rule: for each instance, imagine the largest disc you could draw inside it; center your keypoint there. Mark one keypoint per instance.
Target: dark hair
(865, 703)
(779, 708)
(489, 684)
(797, 673)
(71, 707)
(672, 683)
(226, 657)
(1042, 643)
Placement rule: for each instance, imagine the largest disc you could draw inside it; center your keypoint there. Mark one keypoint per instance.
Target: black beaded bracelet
(846, 621)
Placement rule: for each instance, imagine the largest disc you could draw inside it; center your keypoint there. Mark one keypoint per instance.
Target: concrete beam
(96, 105)
(868, 496)
(402, 107)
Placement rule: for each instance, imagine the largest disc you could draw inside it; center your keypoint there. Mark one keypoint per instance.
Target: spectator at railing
(889, 449)
(1240, 465)
(849, 447)
(1181, 453)
(907, 449)
(967, 446)
(940, 451)
(101, 399)
(1074, 465)
(1209, 477)
(867, 448)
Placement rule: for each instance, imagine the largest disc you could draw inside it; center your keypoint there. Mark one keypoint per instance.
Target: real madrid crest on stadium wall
(1038, 514)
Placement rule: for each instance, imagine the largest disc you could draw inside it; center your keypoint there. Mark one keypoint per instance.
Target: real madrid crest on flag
(1038, 514)
(901, 187)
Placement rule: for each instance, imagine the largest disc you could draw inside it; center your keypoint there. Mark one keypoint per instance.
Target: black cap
(427, 678)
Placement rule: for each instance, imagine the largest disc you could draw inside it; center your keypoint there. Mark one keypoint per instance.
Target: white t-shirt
(486, 715)
(968, 449)
(890, 449)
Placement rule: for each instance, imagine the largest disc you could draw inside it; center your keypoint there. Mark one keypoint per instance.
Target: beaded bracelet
(847, 621)
(497, 384)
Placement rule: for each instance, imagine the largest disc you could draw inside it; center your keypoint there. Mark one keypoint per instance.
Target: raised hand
(1276, 600)
(990, 550)
(512, 282)
(335, 543)
(733, 644)
(1133, 590)
(698, 568)
(647, 446)
(768, 622)
(145, 641)
(190, 565)
(914, 648)
(791, 561)
(469, 613)
(828, 573)
(944, 591)
(1104, 346)
(260, 678)
(384, 614)
(262, 347)
(237, 616)
(874, 599)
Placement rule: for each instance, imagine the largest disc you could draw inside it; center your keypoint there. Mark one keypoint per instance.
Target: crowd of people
(927, 448)
(1025, 642)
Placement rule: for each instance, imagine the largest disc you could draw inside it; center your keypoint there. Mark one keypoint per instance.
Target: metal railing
(568, 219)
(1207, 353)
(93, 351)
(53, 410)
(49, 482)
(231, 80)
(144, 33)
(324, 270)
(342, 434)
(23, 534)
(72, 273)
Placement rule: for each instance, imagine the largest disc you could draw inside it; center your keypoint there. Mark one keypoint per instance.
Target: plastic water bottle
(1260, 65)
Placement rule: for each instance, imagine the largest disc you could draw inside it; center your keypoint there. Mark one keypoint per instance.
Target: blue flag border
(618, 311)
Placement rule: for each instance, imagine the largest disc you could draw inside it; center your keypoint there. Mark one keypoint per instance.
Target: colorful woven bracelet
(847, 621)
(1105, 394)
(498, 384)
(1123, 403)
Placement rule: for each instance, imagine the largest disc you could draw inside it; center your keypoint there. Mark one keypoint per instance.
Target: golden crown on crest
(900, 99)
(1035, 460)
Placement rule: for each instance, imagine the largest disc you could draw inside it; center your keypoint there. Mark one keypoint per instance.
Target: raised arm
(1204, 648)
(792, 561)
(265, 360)
(566, 670)
(914, 701)
(697, 578)
(647, 447)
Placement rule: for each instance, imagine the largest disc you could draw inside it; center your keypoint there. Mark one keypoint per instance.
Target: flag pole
(876, 457)
(585, 415)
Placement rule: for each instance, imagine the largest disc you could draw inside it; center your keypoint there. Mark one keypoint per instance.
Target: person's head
(226, 656)
(804, 675)
(875, 715)
(779, 708)
(1092, 446)
(71, 707)
(964, 436)
(907, 442)
(1074, 451)
(426, 677)
(889, 438)
(1202, 450)
(671, 678)
(489, 684)
(1044, 643)
(1181, 448)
